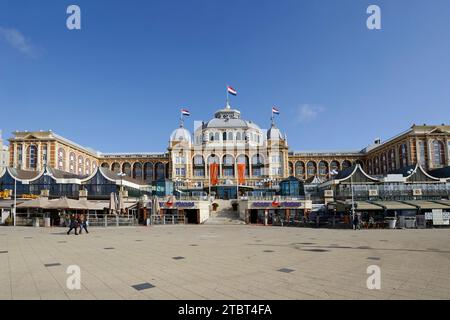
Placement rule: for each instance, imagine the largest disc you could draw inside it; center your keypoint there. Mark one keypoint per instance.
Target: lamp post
(353, 199)
(121, 175)
(15, 201)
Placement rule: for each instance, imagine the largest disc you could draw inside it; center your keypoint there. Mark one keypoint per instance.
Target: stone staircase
(224, 214)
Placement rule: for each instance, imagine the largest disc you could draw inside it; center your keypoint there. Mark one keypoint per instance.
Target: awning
(8, 204)
(444, 202)
(428, 205)
(38, 203)
(361, 205)
(394, 205)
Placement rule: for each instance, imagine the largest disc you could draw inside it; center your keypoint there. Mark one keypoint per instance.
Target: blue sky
(117, 85)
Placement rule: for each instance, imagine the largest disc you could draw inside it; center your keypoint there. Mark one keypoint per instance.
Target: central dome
(230, 118)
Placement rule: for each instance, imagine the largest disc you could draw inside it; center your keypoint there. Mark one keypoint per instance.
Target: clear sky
(117, 85)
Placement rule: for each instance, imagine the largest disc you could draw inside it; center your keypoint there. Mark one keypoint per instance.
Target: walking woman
(83, 223)
(73, 224)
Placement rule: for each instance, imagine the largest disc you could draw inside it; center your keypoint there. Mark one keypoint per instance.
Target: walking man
(83, 223)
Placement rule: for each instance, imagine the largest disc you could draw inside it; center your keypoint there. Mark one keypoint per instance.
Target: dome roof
(274, 134)
(230, 118)
(181, 134)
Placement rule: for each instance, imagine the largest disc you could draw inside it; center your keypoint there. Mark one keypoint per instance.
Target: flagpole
(228, 97)
(209, 169)
(237, 177)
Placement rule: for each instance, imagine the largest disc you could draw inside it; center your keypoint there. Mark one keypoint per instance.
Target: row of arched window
(386, 161)
(147, 171)
(322, 168)
(77, 164)
(230, 136)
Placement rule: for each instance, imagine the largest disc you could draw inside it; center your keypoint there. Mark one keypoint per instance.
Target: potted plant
(215, 206)
(391, 221)
(8, 221)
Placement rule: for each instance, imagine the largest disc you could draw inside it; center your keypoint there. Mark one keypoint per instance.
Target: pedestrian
(83, 223)
(356, 222)
(73, 224)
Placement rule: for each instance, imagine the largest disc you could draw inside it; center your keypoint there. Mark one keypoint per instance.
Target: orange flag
(241, 173)
(214, 170)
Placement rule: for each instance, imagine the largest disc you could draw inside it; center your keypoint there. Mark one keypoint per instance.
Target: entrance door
(192, 216)
(253, 216)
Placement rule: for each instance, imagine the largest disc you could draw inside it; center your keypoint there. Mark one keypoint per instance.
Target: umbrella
(155, 206)
(120, 204)
(91, 205)
(66, 203)
(112, 203)
(41, 203)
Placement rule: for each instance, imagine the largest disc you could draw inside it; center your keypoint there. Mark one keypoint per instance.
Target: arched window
(334, 166)
(87, 166)
(422, 153)
(228, 166)
(126, 168)
(243, 159)
(438, 153)
(61, 159)
(346, 164)
(323, 168)
(94, 166)
(391, 160)
(238, 136)
(311, 168)
(160, 169)
(115, 167)
(291, 168)
(105, 165)
(376, 165)
(257, 165)
(213, 159)
(72, 163)
(217, 136)
(299, 169)
(148, 172)
(383, 163)
(211, 136)
(198, 166)
(403, 155)
(230, 136)
(370, 166)
(137, 171)
(80, 165)
(224, 136)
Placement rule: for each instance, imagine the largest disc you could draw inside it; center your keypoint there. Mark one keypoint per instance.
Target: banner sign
(286, 204)
(214, 171)
(178, 204)
(241, 173)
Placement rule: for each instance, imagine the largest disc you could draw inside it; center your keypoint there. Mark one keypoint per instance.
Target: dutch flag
(231, 91)
(185, 112)
(275, 110)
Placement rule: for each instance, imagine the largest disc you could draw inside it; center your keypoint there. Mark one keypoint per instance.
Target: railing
(111, 221)
(168, 219)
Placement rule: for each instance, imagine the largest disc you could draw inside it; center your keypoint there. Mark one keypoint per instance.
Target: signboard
(440, 218)
(328, 193)
(178, 204)
(373, 193)
(417, 192)
(286, 204)
(428, 215)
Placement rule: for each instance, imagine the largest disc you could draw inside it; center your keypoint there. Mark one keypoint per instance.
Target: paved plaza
(224, 262)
